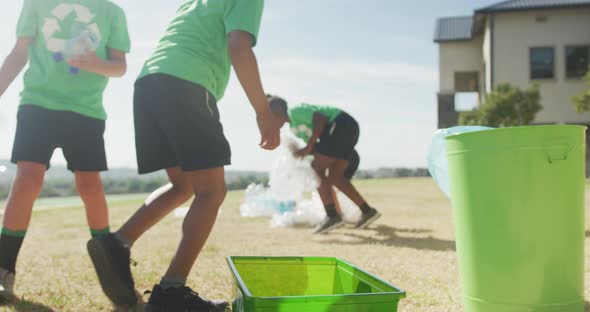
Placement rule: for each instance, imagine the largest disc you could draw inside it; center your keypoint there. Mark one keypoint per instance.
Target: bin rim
(496, 130)
(400, 294)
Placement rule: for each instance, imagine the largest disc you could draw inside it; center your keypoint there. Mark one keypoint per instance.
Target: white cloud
(354, 71)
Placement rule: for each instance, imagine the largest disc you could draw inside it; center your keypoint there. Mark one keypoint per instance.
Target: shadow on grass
(388, 236)
(587, 233)
(140, 307)
(587, 306)
(23, 305)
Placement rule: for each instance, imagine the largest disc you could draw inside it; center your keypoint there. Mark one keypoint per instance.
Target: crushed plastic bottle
(79, 45)
(260, 202)
(310, 211)
(438, 165)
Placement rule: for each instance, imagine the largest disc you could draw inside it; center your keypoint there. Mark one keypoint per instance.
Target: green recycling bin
(308, 284)
(518, 211)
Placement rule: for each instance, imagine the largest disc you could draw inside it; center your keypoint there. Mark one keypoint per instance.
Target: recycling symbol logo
(53, 24)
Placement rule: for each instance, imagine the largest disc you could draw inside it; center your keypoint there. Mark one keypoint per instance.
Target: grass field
(412, 247)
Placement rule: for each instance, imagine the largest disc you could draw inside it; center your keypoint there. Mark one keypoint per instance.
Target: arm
(246, 68)
(320, 121)
(14, 63)
(114, 66)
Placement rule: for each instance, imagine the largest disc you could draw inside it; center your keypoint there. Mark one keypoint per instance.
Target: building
(518, 42)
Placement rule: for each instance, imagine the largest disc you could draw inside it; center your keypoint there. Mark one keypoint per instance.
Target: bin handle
(558, 152)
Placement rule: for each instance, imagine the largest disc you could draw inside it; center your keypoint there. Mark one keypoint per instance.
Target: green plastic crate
(297, 284)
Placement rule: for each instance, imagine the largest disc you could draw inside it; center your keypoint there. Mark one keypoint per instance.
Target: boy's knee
(31, 178)
(182, 189)
(214, 193)
(336, 179)
(88, 182)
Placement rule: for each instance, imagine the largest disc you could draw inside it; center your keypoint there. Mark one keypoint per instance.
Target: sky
(375, 59)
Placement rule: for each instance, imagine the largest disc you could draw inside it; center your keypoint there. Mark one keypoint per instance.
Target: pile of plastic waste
(291, 197)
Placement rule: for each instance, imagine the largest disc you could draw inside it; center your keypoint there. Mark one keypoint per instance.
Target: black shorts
(40, 131)
(177, 124)
(339, 138)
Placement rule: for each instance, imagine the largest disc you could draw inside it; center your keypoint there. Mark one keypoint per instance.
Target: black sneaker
(368, 218)
(181, 299)
(112, 262)
(6, 286)
(329, 223)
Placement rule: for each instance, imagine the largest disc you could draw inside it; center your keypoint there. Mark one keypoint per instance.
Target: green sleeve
(119, 36)
(301, 122)
(245, 15)
(27, 22)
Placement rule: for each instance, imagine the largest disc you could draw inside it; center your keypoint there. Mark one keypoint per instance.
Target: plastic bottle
(82, 44)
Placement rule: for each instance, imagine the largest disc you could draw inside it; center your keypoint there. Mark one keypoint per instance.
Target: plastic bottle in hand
(82, 44)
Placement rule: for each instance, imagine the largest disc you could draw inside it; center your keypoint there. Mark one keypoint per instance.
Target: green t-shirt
(48, 82)
(194, 47)
(301, 118)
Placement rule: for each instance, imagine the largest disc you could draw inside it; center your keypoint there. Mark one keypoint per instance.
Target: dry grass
(411, 246)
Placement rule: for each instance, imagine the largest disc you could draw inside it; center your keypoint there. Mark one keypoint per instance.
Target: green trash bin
(518, 210)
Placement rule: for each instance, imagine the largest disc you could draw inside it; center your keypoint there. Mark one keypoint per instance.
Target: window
(542, 63)
(466, 81)
(541, 19)
(576, 61)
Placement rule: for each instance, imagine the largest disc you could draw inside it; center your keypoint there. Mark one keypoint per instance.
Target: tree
(505, 106)
(582, 101)
(470, 118)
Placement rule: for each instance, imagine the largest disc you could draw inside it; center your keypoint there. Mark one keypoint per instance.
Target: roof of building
(462, 28)
(458, 28)
(523, 5)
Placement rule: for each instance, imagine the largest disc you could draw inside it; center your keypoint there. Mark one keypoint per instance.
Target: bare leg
(90, 188)
(320, 165)
(25, 190)
(333, 219)
(159, 204)
(336, 177)
(336, 201)
(210, 190)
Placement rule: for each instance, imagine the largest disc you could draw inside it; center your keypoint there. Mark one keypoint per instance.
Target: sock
(331, 210)
(124, 240)
(10, 243)
(172, 282)
(98, 232)
(365, 208)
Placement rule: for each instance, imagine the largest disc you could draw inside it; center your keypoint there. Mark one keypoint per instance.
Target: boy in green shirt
(331, 136)
(177, 128)
(61, 106)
